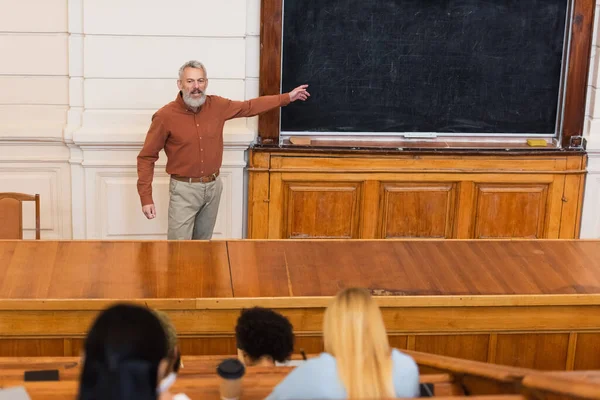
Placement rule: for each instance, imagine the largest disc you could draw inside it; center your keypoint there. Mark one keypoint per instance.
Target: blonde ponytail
(355, 335)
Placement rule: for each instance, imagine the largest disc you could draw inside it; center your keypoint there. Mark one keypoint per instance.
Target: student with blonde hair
(358, 362)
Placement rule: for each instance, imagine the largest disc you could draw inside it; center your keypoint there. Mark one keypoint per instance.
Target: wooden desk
(526, 303)
(395, 191)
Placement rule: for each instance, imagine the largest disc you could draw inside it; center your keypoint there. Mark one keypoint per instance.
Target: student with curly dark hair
(264, 337)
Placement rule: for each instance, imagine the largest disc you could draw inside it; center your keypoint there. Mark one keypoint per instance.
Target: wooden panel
(270, 67)
(398, 341)
(218, 345)
(572, 200)
(577, 71)
(510, 210)
(321, 210)
(74, 347)
(412, 210)
(258, 197)
(226, 345)
(471, 347)
(310, 344)
(587, 351)
(113, 270)
(31, 347)
(539, 351)
(321, 268)
(346, 161)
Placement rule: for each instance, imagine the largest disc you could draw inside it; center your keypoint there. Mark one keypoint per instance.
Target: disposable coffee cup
(231, 372)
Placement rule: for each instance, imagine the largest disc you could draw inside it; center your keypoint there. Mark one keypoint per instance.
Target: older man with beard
(190, 129)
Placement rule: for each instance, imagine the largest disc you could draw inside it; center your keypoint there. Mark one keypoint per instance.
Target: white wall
(34, 99)
(79, 80)
(590, 221)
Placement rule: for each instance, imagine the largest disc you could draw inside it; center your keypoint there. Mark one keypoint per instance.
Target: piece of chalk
(537, 142)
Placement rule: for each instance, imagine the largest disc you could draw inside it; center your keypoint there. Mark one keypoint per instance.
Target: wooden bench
(450, 377)
(12, 371)
(198, 388)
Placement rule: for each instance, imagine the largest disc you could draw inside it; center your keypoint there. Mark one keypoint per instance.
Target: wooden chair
(11, 215)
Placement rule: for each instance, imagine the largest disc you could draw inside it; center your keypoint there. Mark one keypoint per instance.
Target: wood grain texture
(587, 349)
(270, 67)
(510, 211)
(413, 210)
(401, 268)
(563, 386)
(321, 210)
(258, 191)
(536, 351)
(578, 67)
(441, 295)
(113, 270)
(31, 347)
(469, 347)
(417, 197)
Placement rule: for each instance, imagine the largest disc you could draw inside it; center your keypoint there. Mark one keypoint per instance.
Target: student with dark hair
(125, 356)
(264, 337)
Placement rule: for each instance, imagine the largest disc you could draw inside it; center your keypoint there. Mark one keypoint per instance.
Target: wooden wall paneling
(370, 209)
(398, 341)
(417, 209)
(311, 344)
(471, 347)
(321, 209)
(572, 199)
(276, 209)
(31, 347)
(74, 347)
(554, 207)
(464, 210)
(547, 351)
(201, 345)
(587, 351)
(571, 351)
(510, 210)
(258, 196)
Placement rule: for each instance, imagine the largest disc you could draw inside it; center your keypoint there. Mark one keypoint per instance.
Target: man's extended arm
(250, 108)
(155, 142)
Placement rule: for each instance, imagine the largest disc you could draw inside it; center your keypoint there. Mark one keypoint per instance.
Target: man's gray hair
(192, 64)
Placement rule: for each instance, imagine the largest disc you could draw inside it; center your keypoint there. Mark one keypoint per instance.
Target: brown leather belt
(203, 179)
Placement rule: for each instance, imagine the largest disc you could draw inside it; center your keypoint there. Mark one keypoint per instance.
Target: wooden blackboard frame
(581, 31)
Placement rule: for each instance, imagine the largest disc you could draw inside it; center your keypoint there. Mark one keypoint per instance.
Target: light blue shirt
(318, 378)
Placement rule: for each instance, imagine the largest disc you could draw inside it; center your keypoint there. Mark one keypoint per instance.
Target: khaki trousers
(193, 209)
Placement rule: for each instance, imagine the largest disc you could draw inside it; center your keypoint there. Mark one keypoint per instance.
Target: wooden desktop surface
(224, 269)
(526, 303)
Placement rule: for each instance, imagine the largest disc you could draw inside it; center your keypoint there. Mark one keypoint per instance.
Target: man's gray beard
(194, 103)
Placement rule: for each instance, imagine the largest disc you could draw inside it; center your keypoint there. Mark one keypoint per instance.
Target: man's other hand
(149, 211)
(299, 93)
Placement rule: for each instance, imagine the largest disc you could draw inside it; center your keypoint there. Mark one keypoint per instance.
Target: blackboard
(440, 66)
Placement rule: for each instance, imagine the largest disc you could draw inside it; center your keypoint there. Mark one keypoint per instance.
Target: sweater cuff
(284, 99)
(146, 200)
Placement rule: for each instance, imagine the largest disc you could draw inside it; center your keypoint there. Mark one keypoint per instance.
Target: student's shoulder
(402, 360)
(318, 363)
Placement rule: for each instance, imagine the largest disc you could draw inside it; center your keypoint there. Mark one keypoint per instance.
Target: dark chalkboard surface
(443, 66)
